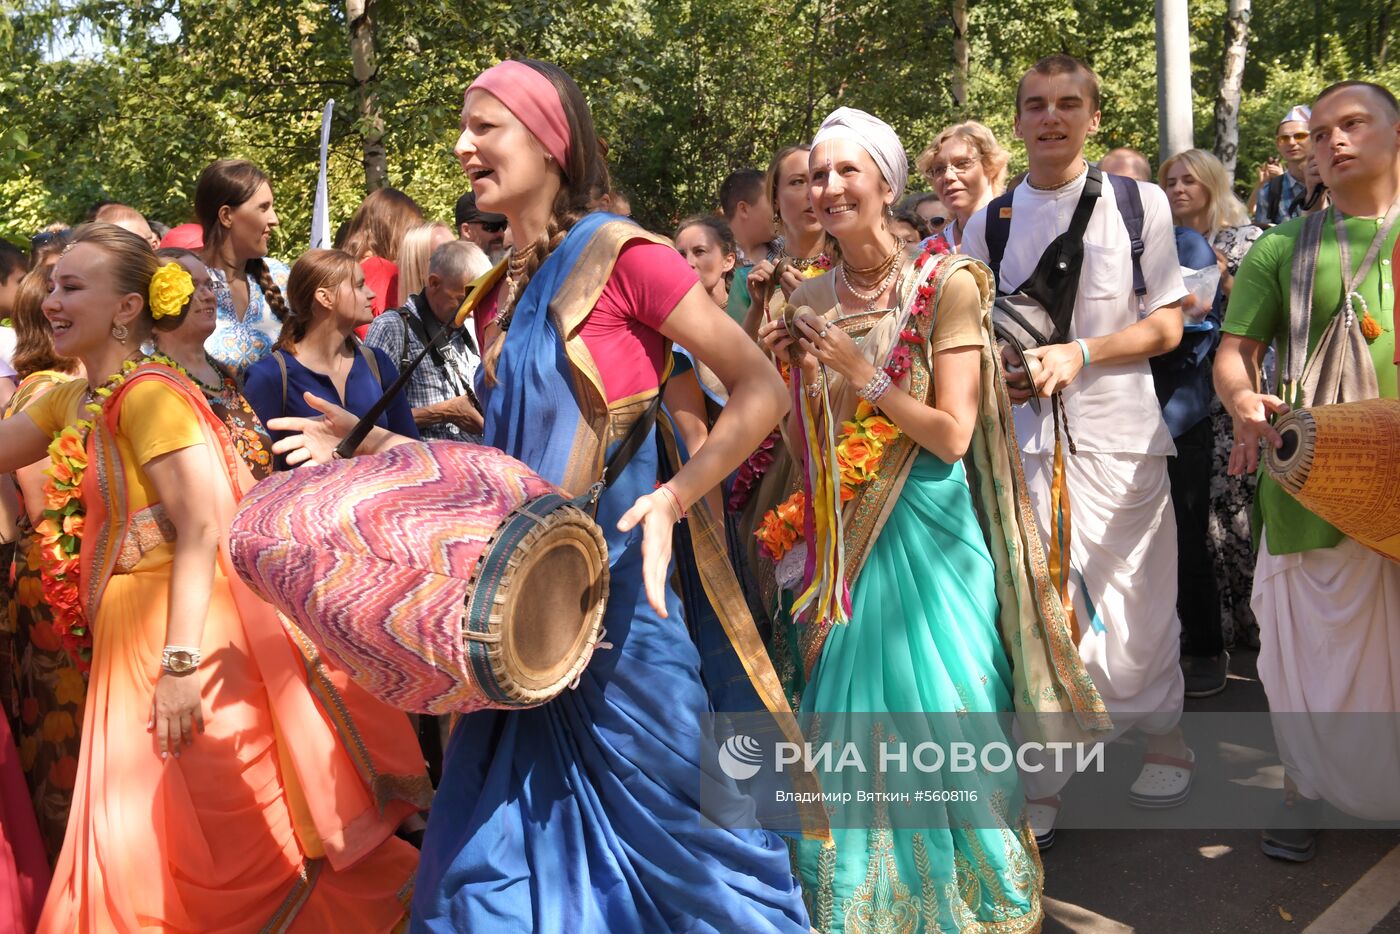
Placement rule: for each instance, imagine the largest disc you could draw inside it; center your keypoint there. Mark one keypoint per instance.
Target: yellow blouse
(154, 420)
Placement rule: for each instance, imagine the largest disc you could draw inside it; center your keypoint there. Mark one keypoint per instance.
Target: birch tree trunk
(359, 13)
(960, 53)
(1383, 32)
(1227, 100)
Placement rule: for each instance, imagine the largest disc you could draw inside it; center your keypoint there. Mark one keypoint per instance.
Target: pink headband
(535, 102)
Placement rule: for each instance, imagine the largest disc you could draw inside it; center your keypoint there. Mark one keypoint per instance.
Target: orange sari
(281, 815)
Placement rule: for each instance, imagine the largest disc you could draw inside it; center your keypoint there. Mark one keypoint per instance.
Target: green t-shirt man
(1259, 310)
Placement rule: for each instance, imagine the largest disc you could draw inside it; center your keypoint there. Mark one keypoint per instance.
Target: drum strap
(629, 446)
(631, 443)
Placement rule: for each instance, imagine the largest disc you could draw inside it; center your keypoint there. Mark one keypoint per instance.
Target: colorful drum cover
(377, 559)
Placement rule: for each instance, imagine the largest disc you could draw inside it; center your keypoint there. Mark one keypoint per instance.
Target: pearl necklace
(871, 297)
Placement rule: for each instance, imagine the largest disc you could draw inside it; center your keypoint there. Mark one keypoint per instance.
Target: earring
(120, 332)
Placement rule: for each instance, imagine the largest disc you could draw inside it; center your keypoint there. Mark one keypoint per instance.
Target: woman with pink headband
(585, 814)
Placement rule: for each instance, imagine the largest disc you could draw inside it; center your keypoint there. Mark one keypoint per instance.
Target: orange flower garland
(863, 438)
(862, 444)
(60, 530)
(782, 527)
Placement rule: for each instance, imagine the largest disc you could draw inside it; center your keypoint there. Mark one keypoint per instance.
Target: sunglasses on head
(44, 238)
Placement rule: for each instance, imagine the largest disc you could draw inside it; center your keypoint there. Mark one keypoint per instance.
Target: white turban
(874, 136)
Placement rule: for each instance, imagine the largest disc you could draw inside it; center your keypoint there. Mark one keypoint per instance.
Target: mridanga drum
(1343, 463)
(444, 577)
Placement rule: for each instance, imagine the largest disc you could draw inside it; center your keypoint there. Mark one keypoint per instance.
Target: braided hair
(229, 183)
(584, 175)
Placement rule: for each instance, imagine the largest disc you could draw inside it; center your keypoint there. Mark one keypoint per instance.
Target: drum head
(536, 612)
(556, 601)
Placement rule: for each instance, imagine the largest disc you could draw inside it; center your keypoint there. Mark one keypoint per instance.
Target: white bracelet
(875, 390)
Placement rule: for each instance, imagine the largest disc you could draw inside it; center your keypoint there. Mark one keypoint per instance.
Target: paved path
(1203, 882)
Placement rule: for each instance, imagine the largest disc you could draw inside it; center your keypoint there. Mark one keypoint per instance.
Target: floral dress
(1232, 498)
(240, 344)
(43, 691)
(250, 438)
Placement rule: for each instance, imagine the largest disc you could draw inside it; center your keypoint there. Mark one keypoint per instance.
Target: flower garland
(866, 435)
(782, 527)
(751, 471)
(755, 468)
(60, 530)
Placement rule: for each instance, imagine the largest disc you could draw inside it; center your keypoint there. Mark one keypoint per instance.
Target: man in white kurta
(1328, 609)
(1123, 542)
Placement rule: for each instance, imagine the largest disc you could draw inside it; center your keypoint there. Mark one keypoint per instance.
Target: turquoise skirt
(923, 638)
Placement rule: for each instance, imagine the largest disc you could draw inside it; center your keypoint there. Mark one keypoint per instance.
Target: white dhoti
(1123, 586)
(1329, 659)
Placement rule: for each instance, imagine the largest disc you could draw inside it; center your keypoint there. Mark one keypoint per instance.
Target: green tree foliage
(129, 100)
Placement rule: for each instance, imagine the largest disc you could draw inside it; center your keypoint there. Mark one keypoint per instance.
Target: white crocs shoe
(1164, 782)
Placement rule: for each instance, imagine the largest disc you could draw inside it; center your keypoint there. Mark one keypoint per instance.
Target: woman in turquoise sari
(584, 814)
(904, 607)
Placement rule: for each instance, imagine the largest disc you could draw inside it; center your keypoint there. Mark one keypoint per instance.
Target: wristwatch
(179, 660)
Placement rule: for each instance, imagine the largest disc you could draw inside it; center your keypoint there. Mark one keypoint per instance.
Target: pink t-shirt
(623, 330)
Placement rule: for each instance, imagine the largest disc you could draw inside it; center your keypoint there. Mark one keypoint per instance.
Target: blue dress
(583, 815)
(262, 386)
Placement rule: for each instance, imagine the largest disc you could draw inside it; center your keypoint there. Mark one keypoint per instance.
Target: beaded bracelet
(875, 390)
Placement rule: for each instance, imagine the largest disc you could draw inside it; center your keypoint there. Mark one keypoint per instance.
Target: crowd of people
(986, 448)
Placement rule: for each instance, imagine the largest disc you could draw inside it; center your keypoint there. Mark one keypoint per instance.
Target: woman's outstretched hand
(657, 516)
(313, 440)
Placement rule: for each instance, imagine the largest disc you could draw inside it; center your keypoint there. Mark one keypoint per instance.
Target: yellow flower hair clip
(171, 287)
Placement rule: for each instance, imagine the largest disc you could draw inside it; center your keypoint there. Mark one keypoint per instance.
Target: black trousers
(1197, 600)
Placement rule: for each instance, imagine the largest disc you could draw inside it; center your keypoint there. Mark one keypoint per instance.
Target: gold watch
(178, 660)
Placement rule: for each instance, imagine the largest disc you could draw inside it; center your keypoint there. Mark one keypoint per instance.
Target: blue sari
(583, 814)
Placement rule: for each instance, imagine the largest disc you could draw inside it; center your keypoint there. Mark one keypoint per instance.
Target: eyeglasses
(46, 237)
(491, 226)
(937, 221)
(960, 166)
(1299, 137)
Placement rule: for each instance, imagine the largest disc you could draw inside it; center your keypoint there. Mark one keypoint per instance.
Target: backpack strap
(1129, 198)
(403, 351)
(371, 360)
(414, 322)
(282, 368)
(1306, 253)
(1275, 198)
(998, 231)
